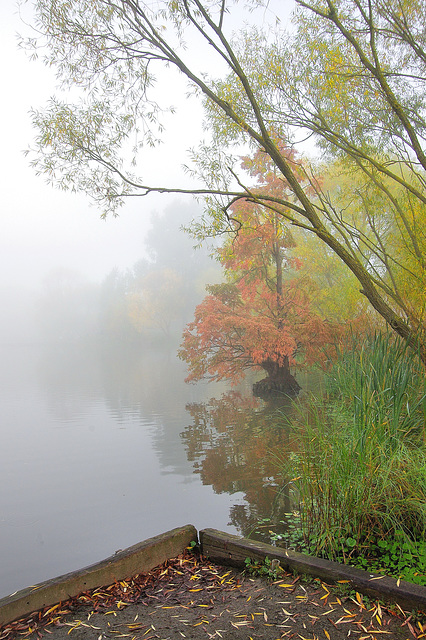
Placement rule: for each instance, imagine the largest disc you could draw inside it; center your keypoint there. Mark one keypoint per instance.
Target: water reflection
(105, 445)
(92, 457)
(237, 444)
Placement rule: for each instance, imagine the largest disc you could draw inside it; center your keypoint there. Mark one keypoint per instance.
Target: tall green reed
(383, 381)
(361, 454)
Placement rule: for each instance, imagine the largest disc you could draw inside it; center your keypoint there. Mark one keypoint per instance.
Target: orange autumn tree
(262, 316)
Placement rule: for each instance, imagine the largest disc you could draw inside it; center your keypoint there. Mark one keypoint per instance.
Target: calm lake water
(102, 448)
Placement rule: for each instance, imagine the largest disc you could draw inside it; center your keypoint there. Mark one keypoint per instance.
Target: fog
(43, 230)
(92, 396)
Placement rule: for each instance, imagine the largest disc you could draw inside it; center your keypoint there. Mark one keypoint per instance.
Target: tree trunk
(279, 380)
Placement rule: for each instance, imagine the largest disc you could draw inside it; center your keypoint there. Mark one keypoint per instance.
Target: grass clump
(360, 461)
(267, 568)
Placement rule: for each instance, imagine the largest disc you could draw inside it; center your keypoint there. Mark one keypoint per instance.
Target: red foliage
(238, 327)
(263, 314)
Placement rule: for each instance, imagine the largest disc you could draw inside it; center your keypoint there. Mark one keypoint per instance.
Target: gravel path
(191, 598)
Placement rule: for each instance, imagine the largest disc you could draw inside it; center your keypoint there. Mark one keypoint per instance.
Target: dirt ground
(188, 597)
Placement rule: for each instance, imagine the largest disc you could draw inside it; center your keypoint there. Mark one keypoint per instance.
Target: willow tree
(350, 74)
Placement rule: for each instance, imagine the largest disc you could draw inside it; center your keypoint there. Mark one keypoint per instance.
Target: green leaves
(85, 140)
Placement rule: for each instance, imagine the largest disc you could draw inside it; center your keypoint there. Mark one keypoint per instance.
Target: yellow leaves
(46, 613)
(327, 592)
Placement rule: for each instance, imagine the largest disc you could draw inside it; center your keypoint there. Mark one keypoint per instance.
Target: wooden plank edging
(140, 558)
(225, 548)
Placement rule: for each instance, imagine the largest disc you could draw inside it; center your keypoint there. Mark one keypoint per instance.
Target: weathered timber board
(224, 548)
(140, 558)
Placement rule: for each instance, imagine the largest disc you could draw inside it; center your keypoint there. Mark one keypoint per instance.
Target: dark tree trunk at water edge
(279, 380)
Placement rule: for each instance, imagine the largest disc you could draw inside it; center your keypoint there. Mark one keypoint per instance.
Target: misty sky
(42, 228)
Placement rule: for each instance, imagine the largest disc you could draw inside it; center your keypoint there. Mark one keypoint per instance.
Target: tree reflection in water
(236, 444)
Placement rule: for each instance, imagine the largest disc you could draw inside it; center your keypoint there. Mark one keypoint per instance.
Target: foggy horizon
(43, 228)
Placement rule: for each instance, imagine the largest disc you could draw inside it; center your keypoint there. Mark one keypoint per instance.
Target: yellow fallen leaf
(52, 609)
